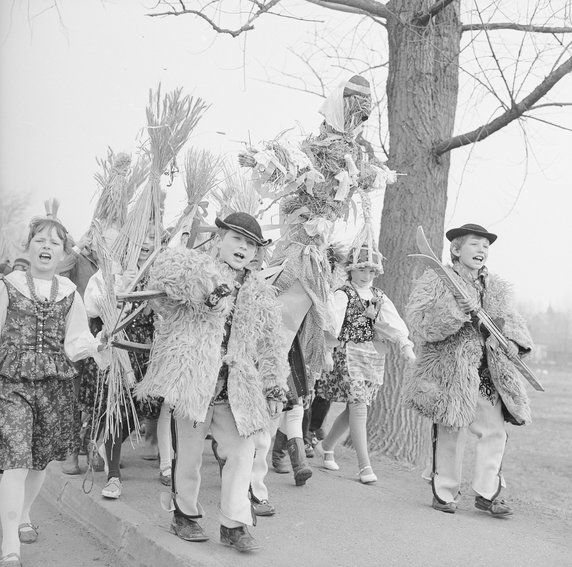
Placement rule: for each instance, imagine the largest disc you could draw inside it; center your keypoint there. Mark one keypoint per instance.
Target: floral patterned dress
(341, 385)
(36, 384)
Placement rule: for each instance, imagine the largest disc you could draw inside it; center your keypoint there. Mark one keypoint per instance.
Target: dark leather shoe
(447, 507)
(496, 507)
(28, 533)
(239, 538)
(187, 529)
(263, 508)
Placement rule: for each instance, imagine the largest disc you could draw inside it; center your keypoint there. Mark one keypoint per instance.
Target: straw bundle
(111, 207)
(201, 174)
(138, 174)
(236, 193)
(119, 378)
(170, 121)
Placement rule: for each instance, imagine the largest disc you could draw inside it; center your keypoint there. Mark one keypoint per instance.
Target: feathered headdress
(52, 206)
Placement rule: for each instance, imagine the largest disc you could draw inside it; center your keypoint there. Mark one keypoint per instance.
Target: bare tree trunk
(422, 90)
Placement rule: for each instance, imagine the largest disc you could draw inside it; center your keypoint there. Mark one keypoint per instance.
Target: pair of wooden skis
(428, 257)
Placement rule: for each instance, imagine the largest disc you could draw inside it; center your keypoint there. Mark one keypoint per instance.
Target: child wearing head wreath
(366, 321)
(43, 329)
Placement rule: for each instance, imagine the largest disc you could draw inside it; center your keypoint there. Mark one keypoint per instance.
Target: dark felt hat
(244, 224)
(470, 229)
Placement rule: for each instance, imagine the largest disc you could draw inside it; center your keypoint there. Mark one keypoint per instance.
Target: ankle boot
(279, 453)
(296, 450)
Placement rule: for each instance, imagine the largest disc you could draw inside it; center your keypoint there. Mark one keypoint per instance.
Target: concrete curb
(135, 540)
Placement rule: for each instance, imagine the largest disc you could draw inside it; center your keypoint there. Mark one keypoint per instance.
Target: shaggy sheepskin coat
(186, 355)
(444, 383)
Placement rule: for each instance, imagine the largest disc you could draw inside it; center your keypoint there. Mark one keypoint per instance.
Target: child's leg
(34, 482)
(164, 437)
(235, 509)
(491, 433)
(12, 495)
(320, 407)
(113, 452)
(293, 421)
(448, 447)
(188, 442)
(339, 427)
(260, 465)
(151, 439)
(357, 423)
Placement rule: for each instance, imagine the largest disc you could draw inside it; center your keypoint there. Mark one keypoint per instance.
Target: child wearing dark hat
(219, 360)
(461, 381)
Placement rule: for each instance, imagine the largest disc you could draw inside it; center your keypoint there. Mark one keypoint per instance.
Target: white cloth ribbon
(319, 226)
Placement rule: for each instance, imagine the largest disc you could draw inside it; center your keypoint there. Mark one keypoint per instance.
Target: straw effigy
(170, 121)
(119, 378)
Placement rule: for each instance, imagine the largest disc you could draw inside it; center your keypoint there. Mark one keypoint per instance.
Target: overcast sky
(69, 90)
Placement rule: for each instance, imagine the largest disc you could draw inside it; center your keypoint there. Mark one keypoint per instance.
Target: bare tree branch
(422, 19)
(247, 26)
(366, 7)
(513, 113)
(549, 122)
(559, 104)
(515, 27)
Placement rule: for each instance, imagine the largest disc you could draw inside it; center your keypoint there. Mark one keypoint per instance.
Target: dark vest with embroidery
(29, 348)
(356, 326)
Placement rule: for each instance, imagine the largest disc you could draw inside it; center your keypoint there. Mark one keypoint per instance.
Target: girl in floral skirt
(366, 320)
(43, 330)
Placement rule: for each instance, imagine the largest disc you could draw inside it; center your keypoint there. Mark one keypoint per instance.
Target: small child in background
(43, 329)
(366, 320)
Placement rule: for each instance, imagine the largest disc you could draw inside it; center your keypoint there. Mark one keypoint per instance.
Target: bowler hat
(244, 224)
(470, 229)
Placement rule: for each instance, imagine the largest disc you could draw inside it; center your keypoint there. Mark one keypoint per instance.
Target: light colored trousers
(188, 440)
(448, 450)
(262, 442)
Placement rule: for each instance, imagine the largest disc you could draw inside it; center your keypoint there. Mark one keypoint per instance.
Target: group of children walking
(220, 365)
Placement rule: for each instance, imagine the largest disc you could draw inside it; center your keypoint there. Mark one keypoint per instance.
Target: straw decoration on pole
(119, 377)
(111, 207)
(170, 121)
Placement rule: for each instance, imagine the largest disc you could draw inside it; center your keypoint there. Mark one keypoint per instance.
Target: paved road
(64, 542)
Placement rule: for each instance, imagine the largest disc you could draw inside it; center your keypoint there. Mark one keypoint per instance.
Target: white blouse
(79, 343)
(388, 324)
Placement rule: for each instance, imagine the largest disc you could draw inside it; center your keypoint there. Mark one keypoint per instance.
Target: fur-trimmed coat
(186, 354)
(444, 383)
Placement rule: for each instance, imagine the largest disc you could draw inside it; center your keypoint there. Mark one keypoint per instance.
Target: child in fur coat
(220, 361)
(461, 381)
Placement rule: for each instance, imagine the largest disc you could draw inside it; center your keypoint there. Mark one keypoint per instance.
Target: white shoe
(103, 455)
(112, 489)
(366, 475)
(328, 463)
